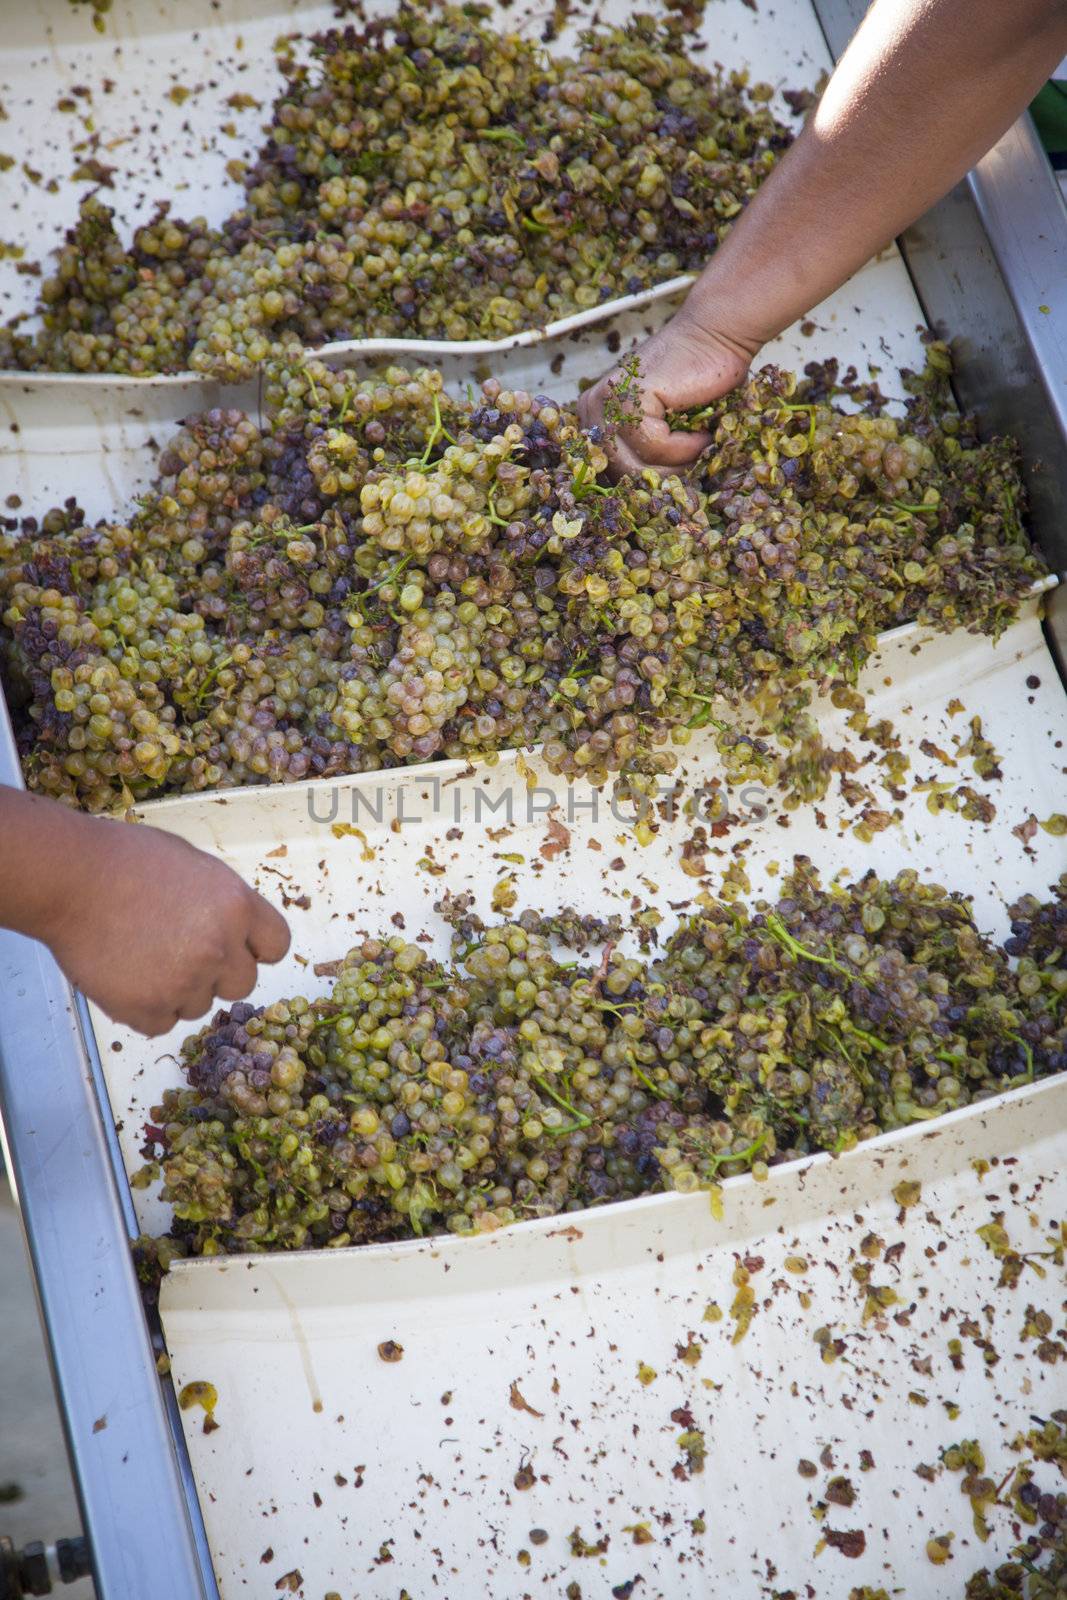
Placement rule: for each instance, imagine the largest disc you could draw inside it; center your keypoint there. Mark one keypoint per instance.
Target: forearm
(39, 846)
(924, 90)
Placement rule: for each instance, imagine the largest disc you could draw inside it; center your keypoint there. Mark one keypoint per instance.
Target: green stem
(205, 686)
(724, 1157)
(1028, 1075)
(324, 1022)
(499, 134)
(491, 502)
(581, 1121)
(650, 1085)
(828, 1030)
(438, 431)
(871, 1039)
(778, 930)
(700, 719)
(773, 999)
(390, 577)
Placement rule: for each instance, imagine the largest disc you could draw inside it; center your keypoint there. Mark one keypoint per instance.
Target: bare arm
(142, 923)
(924, 90)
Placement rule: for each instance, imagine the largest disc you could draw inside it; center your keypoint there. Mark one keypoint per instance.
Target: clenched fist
(149, 928)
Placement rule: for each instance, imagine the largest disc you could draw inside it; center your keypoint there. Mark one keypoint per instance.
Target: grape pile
(378, 574)
(427, 176)
(508, 1083)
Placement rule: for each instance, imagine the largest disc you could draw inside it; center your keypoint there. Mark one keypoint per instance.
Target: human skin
(924, 90)
(145, 925)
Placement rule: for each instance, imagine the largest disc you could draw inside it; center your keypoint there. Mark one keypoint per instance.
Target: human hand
(151, 929)
(683, 365)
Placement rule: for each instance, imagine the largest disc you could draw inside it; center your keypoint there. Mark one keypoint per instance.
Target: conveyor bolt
(35, 1568)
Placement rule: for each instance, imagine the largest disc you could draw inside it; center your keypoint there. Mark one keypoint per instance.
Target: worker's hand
(152, 929)
(681, 366)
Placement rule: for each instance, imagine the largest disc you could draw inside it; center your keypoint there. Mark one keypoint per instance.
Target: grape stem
(580, 1119)
(390, 577)
(491, 502)
(583, 486)
(776, 999)
(837, 1040)
(702, 718)
(500, 134)
(724, 1157)
(210, 677)
(1028, 1075)
(871, 1039)
(811, 425)
(778, 930)
(324, 1021)
(436, 432)
(649, 1083)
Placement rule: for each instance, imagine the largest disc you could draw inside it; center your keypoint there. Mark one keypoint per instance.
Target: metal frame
(134, 1483)
(989, 265)
(986, 262)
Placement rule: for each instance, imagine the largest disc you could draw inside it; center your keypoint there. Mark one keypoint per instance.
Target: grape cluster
(509, 1083)
(854, 522)
(1038, 1567)
(378, 573)
(428, 175)
(1039, 931)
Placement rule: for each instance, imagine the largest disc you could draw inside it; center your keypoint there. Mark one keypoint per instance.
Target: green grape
(506, 1083)
(374, 572)
(431, 176)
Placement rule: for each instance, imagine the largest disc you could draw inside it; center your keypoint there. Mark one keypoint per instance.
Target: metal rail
(138, 1504)
(989, 265)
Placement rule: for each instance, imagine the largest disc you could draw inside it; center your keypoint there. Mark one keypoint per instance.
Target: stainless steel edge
(154, 1329)
(1024, 214)
(989, 264)
(1022, 209)
(138, 1507)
